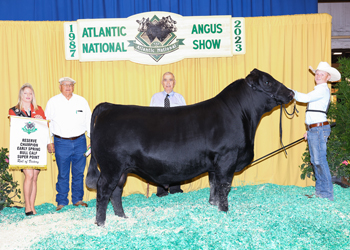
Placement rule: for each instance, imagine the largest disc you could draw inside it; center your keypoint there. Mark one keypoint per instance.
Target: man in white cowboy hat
(318, 128)
(70, 117)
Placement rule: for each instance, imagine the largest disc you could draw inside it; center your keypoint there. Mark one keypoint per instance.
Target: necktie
(166, 102)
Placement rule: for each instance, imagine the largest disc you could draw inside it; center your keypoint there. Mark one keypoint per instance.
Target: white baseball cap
(66, 79)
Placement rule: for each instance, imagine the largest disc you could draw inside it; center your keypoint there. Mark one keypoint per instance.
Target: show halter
(292, 115)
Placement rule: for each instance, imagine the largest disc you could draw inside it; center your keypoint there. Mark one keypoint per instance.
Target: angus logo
(29, 127)
(156, 37)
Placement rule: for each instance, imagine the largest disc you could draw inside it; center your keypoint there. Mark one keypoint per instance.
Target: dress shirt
(68, 118)
(175, 99)
(318, 99)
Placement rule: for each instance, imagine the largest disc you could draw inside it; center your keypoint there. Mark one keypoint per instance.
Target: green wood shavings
(264, 216)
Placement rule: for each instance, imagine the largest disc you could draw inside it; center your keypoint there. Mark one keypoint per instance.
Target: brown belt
(319, 124)
(71, 138)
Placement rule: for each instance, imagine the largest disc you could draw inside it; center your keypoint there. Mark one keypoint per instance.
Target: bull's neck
(250, 103)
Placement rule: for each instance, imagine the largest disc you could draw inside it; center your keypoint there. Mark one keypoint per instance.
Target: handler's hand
(305, 136)
(51, 148)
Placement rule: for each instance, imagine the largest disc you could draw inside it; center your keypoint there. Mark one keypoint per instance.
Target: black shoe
(162, 194)
(161, 191)
(341, 184)
(29, 213)
(175, 189)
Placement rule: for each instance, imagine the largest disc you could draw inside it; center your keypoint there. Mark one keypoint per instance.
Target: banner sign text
(28, 142)
(154, 38)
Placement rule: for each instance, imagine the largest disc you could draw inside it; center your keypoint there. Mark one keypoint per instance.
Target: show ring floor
(264, 216)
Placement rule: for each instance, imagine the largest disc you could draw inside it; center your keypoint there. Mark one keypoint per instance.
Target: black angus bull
(168, 146)
(159, 29)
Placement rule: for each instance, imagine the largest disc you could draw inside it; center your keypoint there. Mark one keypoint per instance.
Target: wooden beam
(340, 37)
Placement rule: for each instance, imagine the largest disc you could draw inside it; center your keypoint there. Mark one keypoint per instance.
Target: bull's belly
(170, 173)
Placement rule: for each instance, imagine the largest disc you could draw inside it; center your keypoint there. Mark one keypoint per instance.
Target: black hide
(168, 146)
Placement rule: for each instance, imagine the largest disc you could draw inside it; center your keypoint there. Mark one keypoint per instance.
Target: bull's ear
(253, 77)
(254, 71)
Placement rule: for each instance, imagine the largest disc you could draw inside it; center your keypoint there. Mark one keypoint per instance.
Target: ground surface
(260, 217)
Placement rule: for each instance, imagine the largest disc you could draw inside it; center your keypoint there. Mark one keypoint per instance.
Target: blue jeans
(317, 139)
(69, 152)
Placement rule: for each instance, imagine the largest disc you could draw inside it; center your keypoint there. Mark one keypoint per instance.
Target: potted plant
(8, 188)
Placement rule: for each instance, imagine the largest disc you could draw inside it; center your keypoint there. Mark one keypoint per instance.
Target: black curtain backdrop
(71, 10)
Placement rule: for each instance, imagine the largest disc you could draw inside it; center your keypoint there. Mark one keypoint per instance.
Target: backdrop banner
(283, 46)
(154, 38)
(28, 140)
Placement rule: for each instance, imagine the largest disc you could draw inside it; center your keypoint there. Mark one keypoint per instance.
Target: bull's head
(30, 125)
(263, 82)
(143, 24)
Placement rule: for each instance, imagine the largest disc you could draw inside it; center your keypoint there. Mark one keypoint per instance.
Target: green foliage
(338, 147)
(8, 187)
(306, 168)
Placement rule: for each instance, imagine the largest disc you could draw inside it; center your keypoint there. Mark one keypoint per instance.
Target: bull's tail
(93, 173)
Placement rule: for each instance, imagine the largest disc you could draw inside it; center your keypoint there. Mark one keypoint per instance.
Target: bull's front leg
(224, 189)
(116, 197)
(225, 170)
(213, 199)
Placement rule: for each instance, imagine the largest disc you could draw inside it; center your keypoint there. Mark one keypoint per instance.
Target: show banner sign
(28, 142)
(154, 38)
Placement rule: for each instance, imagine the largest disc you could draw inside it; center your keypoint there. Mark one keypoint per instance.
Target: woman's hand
(51, 148)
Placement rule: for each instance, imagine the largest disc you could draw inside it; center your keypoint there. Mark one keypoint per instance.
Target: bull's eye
(267, 83)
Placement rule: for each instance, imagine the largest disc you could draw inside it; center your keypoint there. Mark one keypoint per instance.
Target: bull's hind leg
(116, 197)
(105, 187)
(213, 199)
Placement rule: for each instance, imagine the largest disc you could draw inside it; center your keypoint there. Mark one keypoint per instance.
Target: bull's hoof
(223, 208)
(100, 224)
(213, 202)
(122, 215)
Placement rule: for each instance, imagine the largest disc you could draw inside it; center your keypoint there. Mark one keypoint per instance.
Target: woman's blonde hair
(21, 90)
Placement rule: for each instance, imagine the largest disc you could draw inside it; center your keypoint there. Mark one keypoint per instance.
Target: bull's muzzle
(291, 95)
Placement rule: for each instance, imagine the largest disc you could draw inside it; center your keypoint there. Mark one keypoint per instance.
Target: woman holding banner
(27, 107)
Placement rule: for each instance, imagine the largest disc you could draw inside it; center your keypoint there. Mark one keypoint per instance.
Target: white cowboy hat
(324, 66)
